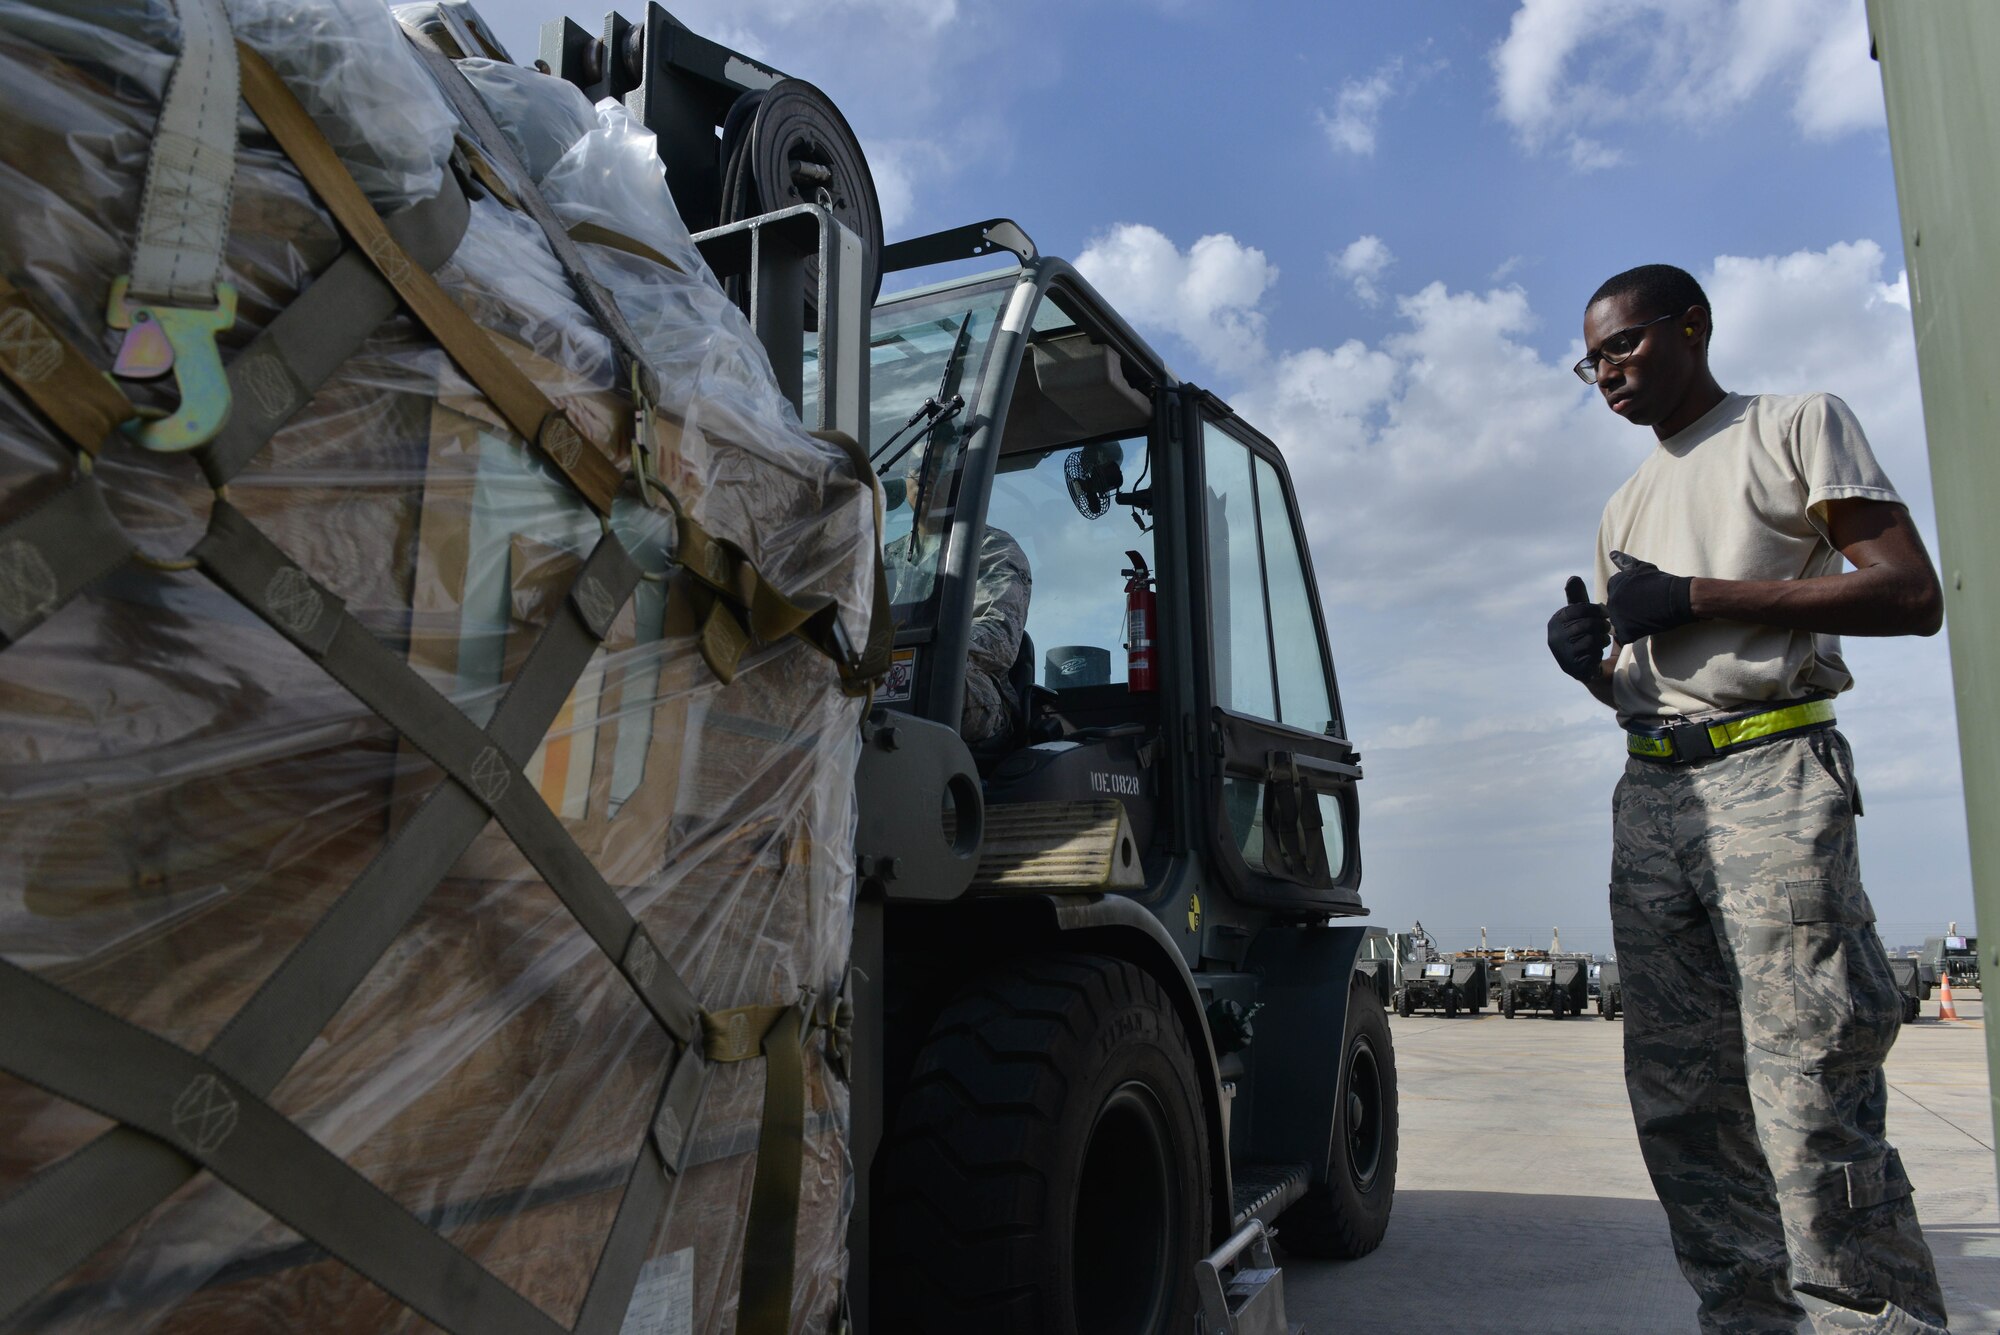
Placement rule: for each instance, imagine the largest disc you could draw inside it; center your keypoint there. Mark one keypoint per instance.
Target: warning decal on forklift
(902, 675)
(663, 1301)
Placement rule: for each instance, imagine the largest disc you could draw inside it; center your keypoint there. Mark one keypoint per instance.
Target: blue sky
(1372, 228)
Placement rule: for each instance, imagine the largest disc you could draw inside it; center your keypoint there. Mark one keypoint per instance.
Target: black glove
(1579, 632)
(1643, 599)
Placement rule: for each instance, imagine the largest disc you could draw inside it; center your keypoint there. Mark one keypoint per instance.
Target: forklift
(1163, 1045)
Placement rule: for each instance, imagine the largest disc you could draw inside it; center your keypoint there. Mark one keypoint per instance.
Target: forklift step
(1264, 1190)
(1240, 1288)
(1042, 846)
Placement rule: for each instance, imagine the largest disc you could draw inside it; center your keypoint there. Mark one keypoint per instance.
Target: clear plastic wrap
(541, 116)
(183, 795)
(612, 176)
(344, 60)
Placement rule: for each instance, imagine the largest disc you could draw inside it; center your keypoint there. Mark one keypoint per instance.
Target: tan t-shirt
(1740, 494)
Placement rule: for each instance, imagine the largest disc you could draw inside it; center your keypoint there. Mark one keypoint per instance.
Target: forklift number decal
(1118, 785)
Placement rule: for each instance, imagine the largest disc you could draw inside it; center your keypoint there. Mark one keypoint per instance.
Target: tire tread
(960, 1194)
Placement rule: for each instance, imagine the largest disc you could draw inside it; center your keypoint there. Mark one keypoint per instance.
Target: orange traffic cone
(1946, 1011)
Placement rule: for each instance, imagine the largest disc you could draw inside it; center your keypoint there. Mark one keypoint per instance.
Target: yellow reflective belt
(1736, 732)
(1764, 725)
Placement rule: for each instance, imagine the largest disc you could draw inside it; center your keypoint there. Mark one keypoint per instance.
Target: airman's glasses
(1615, 349)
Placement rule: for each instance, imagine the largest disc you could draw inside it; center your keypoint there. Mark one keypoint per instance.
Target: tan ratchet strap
(596, 234)
(517, 398)
(594, 297)
(720, 564)
(55, 377)
(68, 540)
(736, 606)
(485, 173)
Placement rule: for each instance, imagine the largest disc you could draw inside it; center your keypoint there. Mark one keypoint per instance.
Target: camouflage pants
(1759, 1009)
(985, 713)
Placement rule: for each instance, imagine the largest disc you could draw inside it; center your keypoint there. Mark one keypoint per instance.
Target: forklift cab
(1018, 400)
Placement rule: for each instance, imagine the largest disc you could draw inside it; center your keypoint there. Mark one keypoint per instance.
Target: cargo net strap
(734, 604)
(519, 400)
(472, 109)
(56, 549)
(180, 1112)
(69, 1048)
(746, 606)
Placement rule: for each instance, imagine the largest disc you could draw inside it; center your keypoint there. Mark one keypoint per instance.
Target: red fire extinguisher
(1141, 614)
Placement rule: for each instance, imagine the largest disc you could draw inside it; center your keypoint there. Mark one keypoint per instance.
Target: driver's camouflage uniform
(999, 618)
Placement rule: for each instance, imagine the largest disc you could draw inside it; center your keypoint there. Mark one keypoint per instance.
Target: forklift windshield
(924, 350)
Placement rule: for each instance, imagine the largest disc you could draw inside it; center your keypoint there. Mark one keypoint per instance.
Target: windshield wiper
(932, 413)
(941, 407)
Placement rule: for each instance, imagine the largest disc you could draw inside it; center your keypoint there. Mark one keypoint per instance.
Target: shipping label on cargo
(663, 1301)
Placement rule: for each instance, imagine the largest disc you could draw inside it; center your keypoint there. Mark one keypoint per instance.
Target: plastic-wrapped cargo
(279, 983)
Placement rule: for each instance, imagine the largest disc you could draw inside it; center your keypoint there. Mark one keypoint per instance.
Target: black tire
(1450, 1006)
(1507, 1008)
(1347, 1215)
(1556, 1007)
(1404, 1006)
(1049, 1167)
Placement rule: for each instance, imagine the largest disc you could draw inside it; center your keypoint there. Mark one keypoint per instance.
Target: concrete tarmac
(1523, 1208)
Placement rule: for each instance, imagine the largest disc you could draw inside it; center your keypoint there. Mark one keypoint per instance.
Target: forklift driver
(999, 614)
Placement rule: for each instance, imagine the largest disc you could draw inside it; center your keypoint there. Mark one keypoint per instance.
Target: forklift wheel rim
(1365, 1118)
(1126, 1190)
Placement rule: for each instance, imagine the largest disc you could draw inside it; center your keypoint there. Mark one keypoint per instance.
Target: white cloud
(902, 169)
(1587, 155)
(1840, 89)
(1780, 320)
(1569, 72)
(1207, 296)
(1362, 264)
(1357, 110)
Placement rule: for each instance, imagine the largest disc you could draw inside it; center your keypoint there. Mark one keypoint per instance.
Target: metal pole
(1937, 60)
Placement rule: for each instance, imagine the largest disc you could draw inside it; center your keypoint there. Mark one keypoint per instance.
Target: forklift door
(1281, 795)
